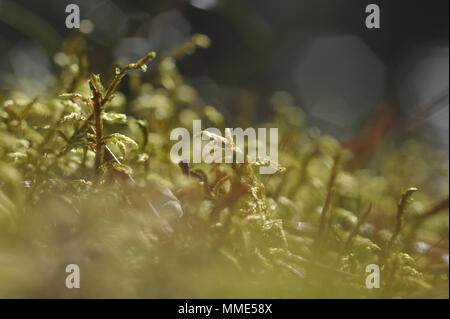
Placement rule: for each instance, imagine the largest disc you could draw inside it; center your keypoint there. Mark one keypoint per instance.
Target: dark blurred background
(338, 71)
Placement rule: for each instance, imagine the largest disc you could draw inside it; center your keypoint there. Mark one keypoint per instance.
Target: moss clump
(85, 178)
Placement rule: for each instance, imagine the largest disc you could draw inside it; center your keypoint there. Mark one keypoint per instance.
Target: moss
(85, 178)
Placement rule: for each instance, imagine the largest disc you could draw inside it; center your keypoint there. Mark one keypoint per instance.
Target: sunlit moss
(140, 226)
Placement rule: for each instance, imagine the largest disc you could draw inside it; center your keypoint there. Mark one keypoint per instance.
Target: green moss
(85, 178)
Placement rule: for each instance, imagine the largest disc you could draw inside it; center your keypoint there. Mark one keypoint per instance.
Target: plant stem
(361, 219)
(401, 210)
(330, 194)
(98, 130)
